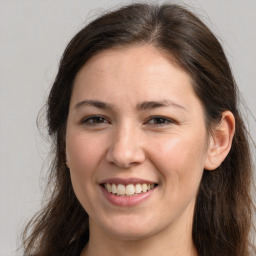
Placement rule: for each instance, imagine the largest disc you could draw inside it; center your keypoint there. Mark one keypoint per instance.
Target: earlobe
(220, 141)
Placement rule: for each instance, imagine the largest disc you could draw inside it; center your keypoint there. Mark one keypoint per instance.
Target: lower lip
(127, 200)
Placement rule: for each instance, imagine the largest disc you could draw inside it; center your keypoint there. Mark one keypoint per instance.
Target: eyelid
(164, 120)
(167, 119)
(84, 121)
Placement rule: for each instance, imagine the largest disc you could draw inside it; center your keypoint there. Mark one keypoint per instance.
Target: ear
(220, 141)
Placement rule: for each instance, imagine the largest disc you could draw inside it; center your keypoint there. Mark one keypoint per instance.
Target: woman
(151, 153)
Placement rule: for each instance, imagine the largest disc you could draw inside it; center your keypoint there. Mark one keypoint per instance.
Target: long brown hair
(223, 212)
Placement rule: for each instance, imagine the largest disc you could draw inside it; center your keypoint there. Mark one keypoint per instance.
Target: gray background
(33, 35)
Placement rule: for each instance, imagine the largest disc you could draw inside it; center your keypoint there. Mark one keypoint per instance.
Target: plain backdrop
(33, 35)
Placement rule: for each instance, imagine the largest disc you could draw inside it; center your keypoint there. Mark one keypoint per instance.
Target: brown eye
(159, 120)
(94, 120)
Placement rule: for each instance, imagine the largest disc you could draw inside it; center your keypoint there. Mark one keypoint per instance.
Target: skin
(126, 141)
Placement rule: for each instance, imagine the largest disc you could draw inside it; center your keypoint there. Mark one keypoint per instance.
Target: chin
(131, 230)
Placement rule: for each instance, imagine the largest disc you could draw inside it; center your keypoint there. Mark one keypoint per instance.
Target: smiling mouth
(129, 189)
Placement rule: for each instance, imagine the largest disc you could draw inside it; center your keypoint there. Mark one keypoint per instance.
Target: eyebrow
(146, 105)
(94, 103)
(157, 104)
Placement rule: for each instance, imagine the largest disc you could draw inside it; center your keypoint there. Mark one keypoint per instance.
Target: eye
(94, 120)
(159, 120)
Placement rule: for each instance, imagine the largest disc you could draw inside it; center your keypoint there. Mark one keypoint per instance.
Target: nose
(126, 148)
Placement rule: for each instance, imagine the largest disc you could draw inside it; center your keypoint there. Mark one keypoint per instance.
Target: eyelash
(90, 121)
(163, 120)
(157, 120)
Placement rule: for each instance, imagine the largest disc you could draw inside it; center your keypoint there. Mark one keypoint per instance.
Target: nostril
(123, 162)
(125, 151)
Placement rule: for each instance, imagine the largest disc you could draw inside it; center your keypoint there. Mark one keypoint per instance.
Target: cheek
(180, 161)
(83, 153)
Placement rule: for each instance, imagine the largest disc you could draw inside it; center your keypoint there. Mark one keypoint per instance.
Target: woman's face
(134, 119)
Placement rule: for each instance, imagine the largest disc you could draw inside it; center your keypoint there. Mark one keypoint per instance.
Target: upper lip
(126, 181)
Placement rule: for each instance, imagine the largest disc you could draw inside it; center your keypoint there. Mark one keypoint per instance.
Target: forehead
(134, 74)
(133, 58)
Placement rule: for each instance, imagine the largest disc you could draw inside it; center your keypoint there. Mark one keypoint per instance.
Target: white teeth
(120, 189)
(144, 187)
(114, 189)
(109, 188)
(138, 188)
(129, 189)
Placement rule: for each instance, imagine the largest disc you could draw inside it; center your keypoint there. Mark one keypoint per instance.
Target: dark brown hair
(223, 212)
